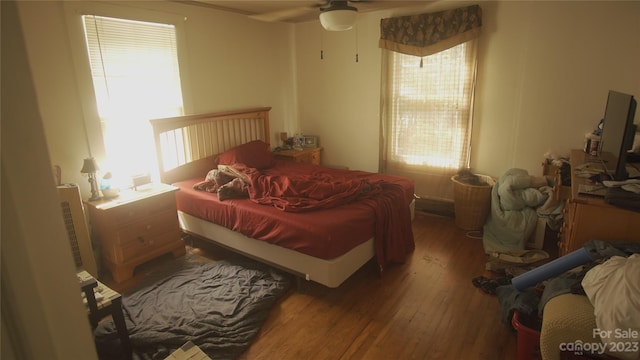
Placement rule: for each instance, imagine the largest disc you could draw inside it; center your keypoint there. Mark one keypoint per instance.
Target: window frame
(426, 176)
(73, 15)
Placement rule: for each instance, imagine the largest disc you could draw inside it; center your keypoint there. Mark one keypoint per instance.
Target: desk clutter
(594, 180)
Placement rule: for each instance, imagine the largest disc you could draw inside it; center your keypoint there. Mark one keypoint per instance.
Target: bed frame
(184, 147)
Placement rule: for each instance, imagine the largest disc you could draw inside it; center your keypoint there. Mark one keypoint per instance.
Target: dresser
(304, 155)
(135, 227)
(590, 217)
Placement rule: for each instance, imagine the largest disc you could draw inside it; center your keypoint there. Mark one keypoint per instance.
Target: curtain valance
(427, 34)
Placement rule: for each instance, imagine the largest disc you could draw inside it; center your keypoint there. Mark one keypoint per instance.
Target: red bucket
(528, 338)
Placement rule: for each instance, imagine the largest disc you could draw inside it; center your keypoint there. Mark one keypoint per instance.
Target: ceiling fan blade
(373, 5)
(286, 14)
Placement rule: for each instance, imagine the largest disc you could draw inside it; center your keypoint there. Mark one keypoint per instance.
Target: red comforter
(305, 189)
(306, 192)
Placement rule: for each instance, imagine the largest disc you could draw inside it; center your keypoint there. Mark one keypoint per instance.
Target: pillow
(255, 154)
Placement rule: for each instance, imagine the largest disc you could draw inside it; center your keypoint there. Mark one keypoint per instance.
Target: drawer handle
(141, 239)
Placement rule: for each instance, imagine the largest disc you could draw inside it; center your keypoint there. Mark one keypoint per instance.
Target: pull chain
(321, 45)
(356, 42)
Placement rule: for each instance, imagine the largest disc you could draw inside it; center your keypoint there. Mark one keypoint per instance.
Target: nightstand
(135, 227)
(304, 155)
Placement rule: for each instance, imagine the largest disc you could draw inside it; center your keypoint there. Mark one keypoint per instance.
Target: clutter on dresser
(108, 191)
(592, 139)
(297, 142)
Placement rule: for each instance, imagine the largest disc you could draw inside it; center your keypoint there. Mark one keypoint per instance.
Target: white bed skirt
(331, 273)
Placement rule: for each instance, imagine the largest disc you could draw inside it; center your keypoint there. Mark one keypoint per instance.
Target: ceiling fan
(338, 16)
(335, 15)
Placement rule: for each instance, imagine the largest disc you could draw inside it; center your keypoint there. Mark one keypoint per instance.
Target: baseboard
(440, 207)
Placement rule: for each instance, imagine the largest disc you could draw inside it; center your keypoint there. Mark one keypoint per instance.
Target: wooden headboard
(186, 145)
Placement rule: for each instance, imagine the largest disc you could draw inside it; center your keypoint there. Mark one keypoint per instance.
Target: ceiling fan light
(338, 20)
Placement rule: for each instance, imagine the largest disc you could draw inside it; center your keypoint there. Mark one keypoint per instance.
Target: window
(136, 77)
(427, 111)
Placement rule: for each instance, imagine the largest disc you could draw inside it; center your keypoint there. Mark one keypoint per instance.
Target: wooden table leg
(121, 326)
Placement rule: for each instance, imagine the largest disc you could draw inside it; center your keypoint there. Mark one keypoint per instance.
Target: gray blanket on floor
(218, 306)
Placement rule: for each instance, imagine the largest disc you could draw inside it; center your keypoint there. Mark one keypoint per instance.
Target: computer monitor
(617, 133)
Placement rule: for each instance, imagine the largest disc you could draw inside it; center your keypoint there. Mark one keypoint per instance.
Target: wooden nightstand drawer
(147, 228)
(136, 211)
(303, 158)
(141, 245)
(305, 155)
(315, 157)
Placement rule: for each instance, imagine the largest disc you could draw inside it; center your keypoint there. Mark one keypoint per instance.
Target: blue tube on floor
(551, 269)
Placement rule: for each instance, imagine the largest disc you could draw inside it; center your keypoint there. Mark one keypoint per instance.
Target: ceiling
(293, 11)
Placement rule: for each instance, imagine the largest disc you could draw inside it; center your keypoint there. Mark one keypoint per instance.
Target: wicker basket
(472, 202)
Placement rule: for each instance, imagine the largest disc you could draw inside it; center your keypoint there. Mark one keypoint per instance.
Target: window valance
(427, 34)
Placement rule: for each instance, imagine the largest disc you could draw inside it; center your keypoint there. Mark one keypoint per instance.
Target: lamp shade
(90, 165)
(338, 19)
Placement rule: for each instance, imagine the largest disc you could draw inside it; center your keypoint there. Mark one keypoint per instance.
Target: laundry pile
(509, 265)
(517, 201)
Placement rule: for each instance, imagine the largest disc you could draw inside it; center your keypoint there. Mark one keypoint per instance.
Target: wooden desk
(590, 217)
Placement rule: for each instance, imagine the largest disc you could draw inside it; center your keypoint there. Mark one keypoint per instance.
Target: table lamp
(90, 167)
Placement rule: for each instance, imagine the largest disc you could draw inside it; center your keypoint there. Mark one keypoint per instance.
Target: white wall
(339, 98)
(232, 62)
(544, 70)
(42, 312)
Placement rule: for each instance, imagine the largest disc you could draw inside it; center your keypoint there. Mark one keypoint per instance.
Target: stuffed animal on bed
(226, 185)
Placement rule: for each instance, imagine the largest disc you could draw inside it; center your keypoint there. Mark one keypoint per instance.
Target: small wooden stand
(108, 303)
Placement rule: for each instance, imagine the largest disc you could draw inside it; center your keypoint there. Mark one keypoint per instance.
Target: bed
(319, 223)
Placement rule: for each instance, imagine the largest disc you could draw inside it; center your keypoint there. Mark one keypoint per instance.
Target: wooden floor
(424, 309)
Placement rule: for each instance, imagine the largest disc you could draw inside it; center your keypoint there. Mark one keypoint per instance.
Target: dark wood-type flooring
(424, 309)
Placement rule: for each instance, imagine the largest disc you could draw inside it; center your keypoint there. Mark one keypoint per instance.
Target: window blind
(136, 77)
(427, 108)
